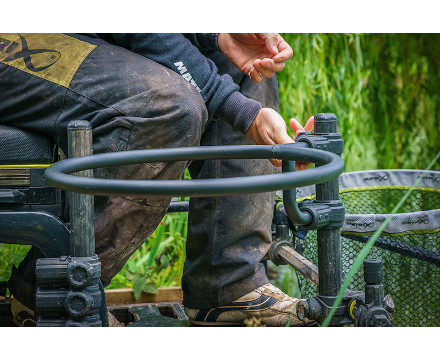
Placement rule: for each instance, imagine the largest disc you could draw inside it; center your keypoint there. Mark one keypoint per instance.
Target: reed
(384, 88)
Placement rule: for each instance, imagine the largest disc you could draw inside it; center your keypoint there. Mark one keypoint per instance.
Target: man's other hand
(269, 128)
(257, 55)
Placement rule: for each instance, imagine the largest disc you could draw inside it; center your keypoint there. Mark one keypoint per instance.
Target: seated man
(143, 91)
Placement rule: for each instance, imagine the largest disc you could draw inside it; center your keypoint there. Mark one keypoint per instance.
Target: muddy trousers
(134, 103)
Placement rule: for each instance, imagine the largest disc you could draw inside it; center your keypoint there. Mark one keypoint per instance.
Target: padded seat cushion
(18, 147)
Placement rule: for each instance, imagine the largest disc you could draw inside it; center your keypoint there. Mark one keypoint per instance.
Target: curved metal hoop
(332, 166)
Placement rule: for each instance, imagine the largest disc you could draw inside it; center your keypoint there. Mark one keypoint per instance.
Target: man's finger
(271, 42)
(308, 127)
(283, 138)
(285, 51)
(267, 73)
(254, 75)
(296, 126)
(271, 65)
(299, 165)
(276, 162)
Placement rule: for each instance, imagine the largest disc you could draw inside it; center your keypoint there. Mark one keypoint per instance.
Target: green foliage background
(384, 88)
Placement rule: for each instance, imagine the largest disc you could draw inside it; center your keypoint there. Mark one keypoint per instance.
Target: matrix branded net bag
(409, 246)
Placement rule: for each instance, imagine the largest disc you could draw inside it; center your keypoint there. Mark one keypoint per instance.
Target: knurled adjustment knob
(79, 274)
(380, 320)
(373, 271)
(325, 117)
(78, 304)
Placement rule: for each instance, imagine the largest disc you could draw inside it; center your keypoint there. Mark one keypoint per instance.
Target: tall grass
(384, 88)
(159, 261)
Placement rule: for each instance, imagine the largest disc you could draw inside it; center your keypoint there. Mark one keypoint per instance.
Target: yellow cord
(24, 166)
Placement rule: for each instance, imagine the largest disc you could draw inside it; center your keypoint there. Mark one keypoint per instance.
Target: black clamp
(319, 307)
(273, 252)
(366, 309)
(69, 291)
(77, 272)
(370, 315)
(281, 226)
(328, 214)
(374, 309)
(329, 142)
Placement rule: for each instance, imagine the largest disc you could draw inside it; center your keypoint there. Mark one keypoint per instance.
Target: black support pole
(329, 238)
(82, 239)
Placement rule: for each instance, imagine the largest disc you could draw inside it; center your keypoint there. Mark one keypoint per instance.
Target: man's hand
(257, 55)
(269, 128)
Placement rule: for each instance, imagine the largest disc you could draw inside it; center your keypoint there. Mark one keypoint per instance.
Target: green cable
(366, 249)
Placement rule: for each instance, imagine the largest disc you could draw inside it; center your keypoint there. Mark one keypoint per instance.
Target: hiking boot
(268, 304)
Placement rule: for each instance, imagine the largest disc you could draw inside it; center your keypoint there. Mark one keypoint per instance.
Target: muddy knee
(176, 114)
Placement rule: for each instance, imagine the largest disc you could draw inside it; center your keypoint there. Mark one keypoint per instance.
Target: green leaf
(138, 285)
(164, 261)
(130, 276)
(150, 288)
(131, 266)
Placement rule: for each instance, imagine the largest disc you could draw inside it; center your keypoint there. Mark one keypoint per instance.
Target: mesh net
(409, 247)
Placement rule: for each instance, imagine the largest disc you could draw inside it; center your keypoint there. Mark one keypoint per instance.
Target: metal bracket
(328, 214)
(319, 307)
(69, 291)
(329, 142)
(374, 309)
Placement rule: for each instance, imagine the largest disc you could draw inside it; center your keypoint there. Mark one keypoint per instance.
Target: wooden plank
(126, 296)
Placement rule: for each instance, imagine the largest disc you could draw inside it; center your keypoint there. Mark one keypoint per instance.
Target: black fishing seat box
(31, 211)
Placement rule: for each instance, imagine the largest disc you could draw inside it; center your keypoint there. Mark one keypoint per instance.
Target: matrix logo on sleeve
(185, 74)
(53, 57)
